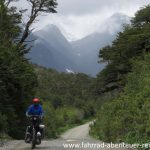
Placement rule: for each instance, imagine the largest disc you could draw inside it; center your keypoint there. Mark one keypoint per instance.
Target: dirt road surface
(74, 139)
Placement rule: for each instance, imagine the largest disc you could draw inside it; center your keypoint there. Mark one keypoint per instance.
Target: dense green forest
(17, 77)
(18, 80)
(126, 117)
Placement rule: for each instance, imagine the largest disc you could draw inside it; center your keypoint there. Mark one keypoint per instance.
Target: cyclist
(34, 110)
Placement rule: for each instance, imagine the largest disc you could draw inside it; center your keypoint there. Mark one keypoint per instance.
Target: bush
(51, 121)
(128, 117)
(3, 123)
(70, 115)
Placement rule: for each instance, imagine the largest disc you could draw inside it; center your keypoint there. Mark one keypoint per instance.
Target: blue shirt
(35, 110)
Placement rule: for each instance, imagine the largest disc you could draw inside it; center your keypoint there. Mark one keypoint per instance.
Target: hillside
(65, 97)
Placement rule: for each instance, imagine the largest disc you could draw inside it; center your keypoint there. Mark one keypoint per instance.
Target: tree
(142, 17)
(9, 21)
(17, 78)
(126, 118)
(132, 43)
(37, 7)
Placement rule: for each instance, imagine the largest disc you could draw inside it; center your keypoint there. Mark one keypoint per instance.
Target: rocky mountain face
(52, 50)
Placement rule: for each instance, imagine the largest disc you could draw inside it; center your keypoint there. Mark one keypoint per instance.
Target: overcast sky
(78, 18)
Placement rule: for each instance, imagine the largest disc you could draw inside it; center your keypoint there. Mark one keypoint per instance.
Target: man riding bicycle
(34, 110)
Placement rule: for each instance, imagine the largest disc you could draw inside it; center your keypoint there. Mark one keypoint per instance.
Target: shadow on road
(37, 148)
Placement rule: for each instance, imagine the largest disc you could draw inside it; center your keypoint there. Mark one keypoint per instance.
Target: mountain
(114, 24)
(88, 48)
(52, 50)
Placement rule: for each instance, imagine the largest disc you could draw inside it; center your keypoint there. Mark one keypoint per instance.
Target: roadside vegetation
(17, 77)
(126, 117)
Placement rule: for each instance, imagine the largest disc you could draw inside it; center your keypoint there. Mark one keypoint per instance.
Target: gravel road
(76, 138)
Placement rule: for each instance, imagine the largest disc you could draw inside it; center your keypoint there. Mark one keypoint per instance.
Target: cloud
(76, 26)
(78, 18)
(80, 7)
